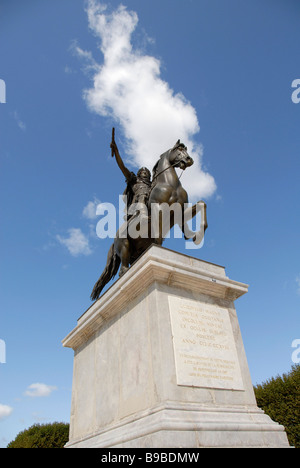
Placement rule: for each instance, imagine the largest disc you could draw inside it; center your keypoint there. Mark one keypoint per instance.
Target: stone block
(159, 362)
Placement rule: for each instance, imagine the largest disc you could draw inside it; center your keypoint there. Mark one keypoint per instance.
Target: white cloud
(39, 390)
(89, 211)
(128, 88)
(5, 411)
(77, 243)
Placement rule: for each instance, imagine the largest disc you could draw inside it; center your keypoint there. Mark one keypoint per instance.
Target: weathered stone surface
(159, 362)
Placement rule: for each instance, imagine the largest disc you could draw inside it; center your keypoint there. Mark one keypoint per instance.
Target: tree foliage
(54, 435)
(279, 397)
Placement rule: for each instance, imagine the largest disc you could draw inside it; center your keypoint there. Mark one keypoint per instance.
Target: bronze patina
(142, 194)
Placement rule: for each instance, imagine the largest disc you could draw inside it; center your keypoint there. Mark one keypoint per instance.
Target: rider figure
(138, 186)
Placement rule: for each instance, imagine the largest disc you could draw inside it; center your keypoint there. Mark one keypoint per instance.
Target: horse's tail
(111, 269)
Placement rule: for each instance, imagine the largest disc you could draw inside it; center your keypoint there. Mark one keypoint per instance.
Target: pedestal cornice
(156, 265)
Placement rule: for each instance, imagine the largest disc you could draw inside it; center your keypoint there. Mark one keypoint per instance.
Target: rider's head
(144, 174)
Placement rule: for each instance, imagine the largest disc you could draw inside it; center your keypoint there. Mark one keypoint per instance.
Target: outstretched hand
(115, 152)
(113, 149)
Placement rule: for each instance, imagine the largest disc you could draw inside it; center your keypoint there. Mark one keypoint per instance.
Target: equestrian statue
(145, 223)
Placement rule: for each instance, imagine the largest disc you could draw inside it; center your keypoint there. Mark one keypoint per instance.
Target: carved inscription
(204, 346)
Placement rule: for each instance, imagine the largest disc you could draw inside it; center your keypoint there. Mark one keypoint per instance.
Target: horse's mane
(155, 168)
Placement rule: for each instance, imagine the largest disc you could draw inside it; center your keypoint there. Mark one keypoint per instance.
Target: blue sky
(227, 67)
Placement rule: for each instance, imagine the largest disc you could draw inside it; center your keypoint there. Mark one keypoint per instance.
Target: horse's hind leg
(124, 254)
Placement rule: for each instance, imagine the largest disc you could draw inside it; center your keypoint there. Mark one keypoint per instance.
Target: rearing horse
(166, 186)
(166, 189)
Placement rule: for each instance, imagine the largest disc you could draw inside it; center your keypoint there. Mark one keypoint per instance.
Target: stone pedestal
(159, 362)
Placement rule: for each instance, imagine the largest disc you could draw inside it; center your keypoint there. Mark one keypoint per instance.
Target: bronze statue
(138, 186)
(143, 195)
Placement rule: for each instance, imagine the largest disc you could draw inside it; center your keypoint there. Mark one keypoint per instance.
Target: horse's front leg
(157, 224)
(190, 213)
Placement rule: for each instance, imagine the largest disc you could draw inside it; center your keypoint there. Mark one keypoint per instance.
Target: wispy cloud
(76, 242)
(20, 123)
(5, 411)
(89, 64)
(39, 390)
(128, 87)
(68, 70)
(89, 211)
(39, 418)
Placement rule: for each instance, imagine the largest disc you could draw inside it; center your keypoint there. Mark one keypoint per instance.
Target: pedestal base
(190, 426)
(159, 362)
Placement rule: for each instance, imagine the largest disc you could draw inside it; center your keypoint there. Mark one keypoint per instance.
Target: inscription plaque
(204, 345)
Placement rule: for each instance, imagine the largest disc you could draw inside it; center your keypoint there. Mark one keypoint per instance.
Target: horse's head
(179, 156)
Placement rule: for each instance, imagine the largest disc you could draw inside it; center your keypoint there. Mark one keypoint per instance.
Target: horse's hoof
(123, 271)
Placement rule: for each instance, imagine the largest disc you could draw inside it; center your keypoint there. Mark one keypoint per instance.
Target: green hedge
(279, 397)
(53, 435)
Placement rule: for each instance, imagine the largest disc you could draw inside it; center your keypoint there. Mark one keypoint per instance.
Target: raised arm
(115, 152)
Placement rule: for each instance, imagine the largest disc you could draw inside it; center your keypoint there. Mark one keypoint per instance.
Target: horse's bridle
(171, 165)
